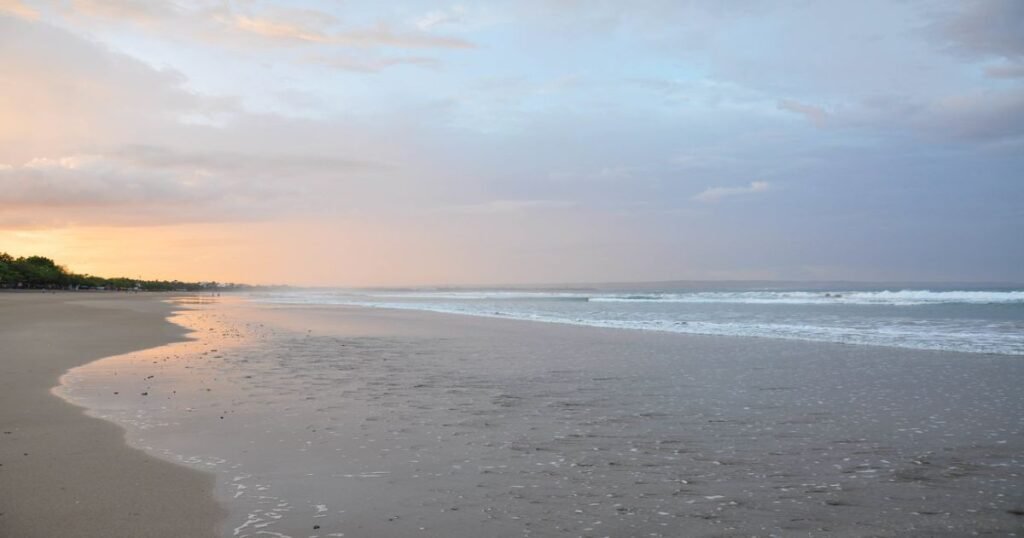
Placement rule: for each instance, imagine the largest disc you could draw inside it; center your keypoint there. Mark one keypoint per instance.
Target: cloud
(151, 176)
(93, 136)
(1006, 70)
(980, 116)
(136, 185)
(98, 180)
(276, 29)
(672, 91)
(703, 160)
(18, 8)
(218, 22)
(713, 194)
(984, 28)
(381, 35)
(439, 18)
(494, 207)
(378, 36)
(138, 11)
(815, 114)
(60, 90)
(235, 162)
(360, 64)
(977, 116)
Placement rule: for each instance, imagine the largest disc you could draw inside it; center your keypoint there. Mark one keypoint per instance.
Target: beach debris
(145, 394)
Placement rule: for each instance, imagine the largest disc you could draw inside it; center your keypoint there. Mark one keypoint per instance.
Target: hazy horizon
(400, 144)
(694, 285)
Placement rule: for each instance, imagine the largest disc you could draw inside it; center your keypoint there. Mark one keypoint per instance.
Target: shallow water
(331, 421)
(969, 321)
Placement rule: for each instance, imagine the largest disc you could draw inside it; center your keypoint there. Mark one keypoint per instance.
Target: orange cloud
(278, 29)
(377, 36)
(817, 115)
(129, 10)
(18, 8)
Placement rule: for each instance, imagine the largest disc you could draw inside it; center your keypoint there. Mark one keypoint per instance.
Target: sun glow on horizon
(400, 143)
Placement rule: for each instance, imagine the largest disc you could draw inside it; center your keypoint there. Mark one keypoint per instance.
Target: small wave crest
(979, 329)
(884, 297)
(895, 298)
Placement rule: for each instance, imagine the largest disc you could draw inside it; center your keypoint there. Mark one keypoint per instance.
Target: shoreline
(943, 320)
(394, 423)
(659, 331)
(62, 472)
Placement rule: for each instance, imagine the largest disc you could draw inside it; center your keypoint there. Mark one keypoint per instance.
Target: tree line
(38, 272)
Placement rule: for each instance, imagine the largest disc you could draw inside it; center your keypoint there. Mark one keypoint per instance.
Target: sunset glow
(514, 142)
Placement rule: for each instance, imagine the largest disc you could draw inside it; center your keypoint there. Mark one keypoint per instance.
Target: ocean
(323, 419)
(948, 318)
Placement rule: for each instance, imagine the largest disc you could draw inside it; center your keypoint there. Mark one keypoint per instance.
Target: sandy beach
(343, 421)
(64, 473)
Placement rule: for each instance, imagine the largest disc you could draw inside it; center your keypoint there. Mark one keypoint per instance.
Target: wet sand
(63, 473)
(340, 421)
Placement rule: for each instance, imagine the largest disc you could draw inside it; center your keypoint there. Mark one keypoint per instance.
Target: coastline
(399, 423)
(64, 473)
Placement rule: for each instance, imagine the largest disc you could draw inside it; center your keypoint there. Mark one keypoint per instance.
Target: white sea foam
(814, 322)
(884, 297)
(470, 295)
(895, 298)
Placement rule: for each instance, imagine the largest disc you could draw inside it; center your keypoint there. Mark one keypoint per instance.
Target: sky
(430, 143)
